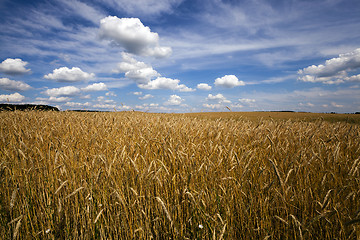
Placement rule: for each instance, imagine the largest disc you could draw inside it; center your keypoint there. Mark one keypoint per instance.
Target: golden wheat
(132, 175)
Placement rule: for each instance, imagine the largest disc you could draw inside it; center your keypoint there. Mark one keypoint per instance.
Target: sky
(182, 55)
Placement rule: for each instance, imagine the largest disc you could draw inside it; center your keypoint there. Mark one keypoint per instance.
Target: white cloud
(137, 93)
(77, 104)
(166, 83)
(204, 86)
(15, 97)
(146, 105)
(14, 66)
(110, 94)
(63, 91)
(142, 74)
(174, 100)
(308, 104)
(218, 97)
(137, 71)
(65, 74)
(54, 99)
(152, 107)
(133, 36)
(147, 96)
(105, 106)
(13, 85)
(85, 96)
(354, 78)
(128, 64)
(183, 88)
(213, 106)
(334, 104)
(102, 99)
(95, 87)
(334, 71)
(123, 107)
(228, 81)
(139, 107)
(247, 100)
(236, 106)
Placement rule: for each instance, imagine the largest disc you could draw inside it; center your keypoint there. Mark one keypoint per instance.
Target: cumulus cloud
(133, 36)
(63, 91)
(15, 97)
(137, 71)
(137, 93)
(229, 81)
(174, 100)
(218, 97)
(65, 74)
(334, 71)
(13, 85)
(14, 66)
(95, 87)
(128, 64)
(143, 75)
(147, 96)
(204, 86)
(354, 78)
(166, 83)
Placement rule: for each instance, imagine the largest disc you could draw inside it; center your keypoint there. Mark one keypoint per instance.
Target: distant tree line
(26, 107)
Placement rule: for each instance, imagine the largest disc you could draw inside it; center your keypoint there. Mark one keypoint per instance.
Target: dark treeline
(26, 107)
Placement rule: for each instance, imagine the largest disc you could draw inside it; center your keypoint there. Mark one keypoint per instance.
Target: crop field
(133, 175)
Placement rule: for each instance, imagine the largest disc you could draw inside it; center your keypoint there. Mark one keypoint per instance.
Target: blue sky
(182, 55)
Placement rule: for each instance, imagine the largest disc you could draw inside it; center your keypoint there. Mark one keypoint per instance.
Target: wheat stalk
(165, 209)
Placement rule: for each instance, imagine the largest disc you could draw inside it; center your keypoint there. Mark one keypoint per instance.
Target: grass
(131, 175)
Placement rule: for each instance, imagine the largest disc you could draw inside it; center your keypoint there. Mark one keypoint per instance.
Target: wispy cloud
(145, 7)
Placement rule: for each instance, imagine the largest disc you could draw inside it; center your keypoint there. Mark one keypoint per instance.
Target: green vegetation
(131, 175)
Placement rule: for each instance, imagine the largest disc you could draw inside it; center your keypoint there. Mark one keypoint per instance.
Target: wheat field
(133, 175)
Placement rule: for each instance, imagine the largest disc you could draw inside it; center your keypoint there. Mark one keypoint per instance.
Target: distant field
(293, 116)
(133, 175)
